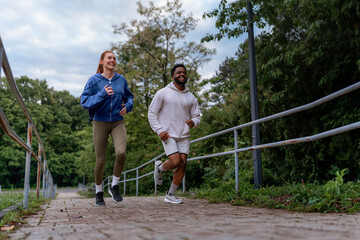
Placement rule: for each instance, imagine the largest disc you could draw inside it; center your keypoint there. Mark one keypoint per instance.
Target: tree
(309, 50)
(57, 115)
(155, 42)
(154, 46)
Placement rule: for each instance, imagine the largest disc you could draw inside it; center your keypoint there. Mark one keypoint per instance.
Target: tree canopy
(155, 43)
(56, 115)
(306, 50)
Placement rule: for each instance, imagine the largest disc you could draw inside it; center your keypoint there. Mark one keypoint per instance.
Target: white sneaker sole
(112, 197)
(169, 201)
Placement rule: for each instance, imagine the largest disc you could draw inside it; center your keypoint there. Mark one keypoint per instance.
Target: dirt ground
(73, 217)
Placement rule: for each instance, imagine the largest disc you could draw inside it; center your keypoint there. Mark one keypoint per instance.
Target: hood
(172, 86)
(99, 76)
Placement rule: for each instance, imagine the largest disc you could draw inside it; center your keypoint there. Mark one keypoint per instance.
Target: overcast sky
(61, 40)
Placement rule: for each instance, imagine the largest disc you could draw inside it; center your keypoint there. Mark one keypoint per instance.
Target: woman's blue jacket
(104, 107)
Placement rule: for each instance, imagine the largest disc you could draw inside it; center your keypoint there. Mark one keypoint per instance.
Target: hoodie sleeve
(128, 98)
(154, 109)
(195, 112)
(90, 100)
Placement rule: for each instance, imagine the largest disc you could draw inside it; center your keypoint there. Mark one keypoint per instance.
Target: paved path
(151, 218)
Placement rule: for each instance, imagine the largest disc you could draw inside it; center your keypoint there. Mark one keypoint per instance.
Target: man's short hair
(175, 67)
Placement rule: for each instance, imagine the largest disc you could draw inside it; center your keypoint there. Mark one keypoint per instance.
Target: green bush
(333, 196)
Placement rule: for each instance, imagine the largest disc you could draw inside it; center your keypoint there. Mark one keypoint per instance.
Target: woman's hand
(123, 111)
(109, 90)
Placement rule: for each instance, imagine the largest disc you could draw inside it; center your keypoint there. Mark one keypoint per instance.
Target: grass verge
(8, 199)
(293, 197)
(14, 219)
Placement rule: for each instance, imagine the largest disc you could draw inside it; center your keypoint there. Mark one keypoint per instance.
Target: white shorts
(176, 145)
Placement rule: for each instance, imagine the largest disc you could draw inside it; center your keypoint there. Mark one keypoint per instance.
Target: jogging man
(172, 112)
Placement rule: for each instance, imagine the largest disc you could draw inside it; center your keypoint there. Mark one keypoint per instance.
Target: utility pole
(254, 101)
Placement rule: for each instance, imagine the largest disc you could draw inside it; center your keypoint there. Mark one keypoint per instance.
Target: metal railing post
(38, 174)
(50, 185)
(1, 58)
(124, 192)
(254, 100)
(137, 182)
(27, 169)
(47, 184)
(155, 185)
(53, 189)
(236, 146)
(183, 183)
(52, 195)
(43, 182)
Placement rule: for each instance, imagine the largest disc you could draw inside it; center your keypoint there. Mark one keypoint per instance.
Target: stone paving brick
(152, 218)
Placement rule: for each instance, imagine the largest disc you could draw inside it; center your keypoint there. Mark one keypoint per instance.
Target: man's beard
(180, 82)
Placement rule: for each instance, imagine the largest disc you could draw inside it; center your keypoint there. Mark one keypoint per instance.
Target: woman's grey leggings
(101, 131)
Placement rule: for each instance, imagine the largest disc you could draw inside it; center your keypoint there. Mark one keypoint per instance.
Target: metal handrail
(49, 187)
(235, 129)
(316, 103)
(311, 138)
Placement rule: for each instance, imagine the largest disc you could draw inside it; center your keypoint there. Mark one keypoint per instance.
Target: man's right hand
(164, 136)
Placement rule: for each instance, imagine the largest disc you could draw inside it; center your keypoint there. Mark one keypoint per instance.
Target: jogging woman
(108, 98)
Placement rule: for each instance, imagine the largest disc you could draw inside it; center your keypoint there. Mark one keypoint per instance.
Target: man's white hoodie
(169, 110)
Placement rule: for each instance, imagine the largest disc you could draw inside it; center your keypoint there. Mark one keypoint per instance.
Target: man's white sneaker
(171, 198)
(158, 175)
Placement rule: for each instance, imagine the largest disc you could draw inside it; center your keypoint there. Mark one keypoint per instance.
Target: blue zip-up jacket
(103, 107)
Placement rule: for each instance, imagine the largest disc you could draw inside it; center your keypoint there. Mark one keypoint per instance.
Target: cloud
(61, 41)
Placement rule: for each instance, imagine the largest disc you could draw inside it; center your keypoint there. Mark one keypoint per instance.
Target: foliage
(155, 43)
(19, 216)
(56, 115)
(9, 199)
(297, 197)
(338, 195)
(308, 49)
(332, 189)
